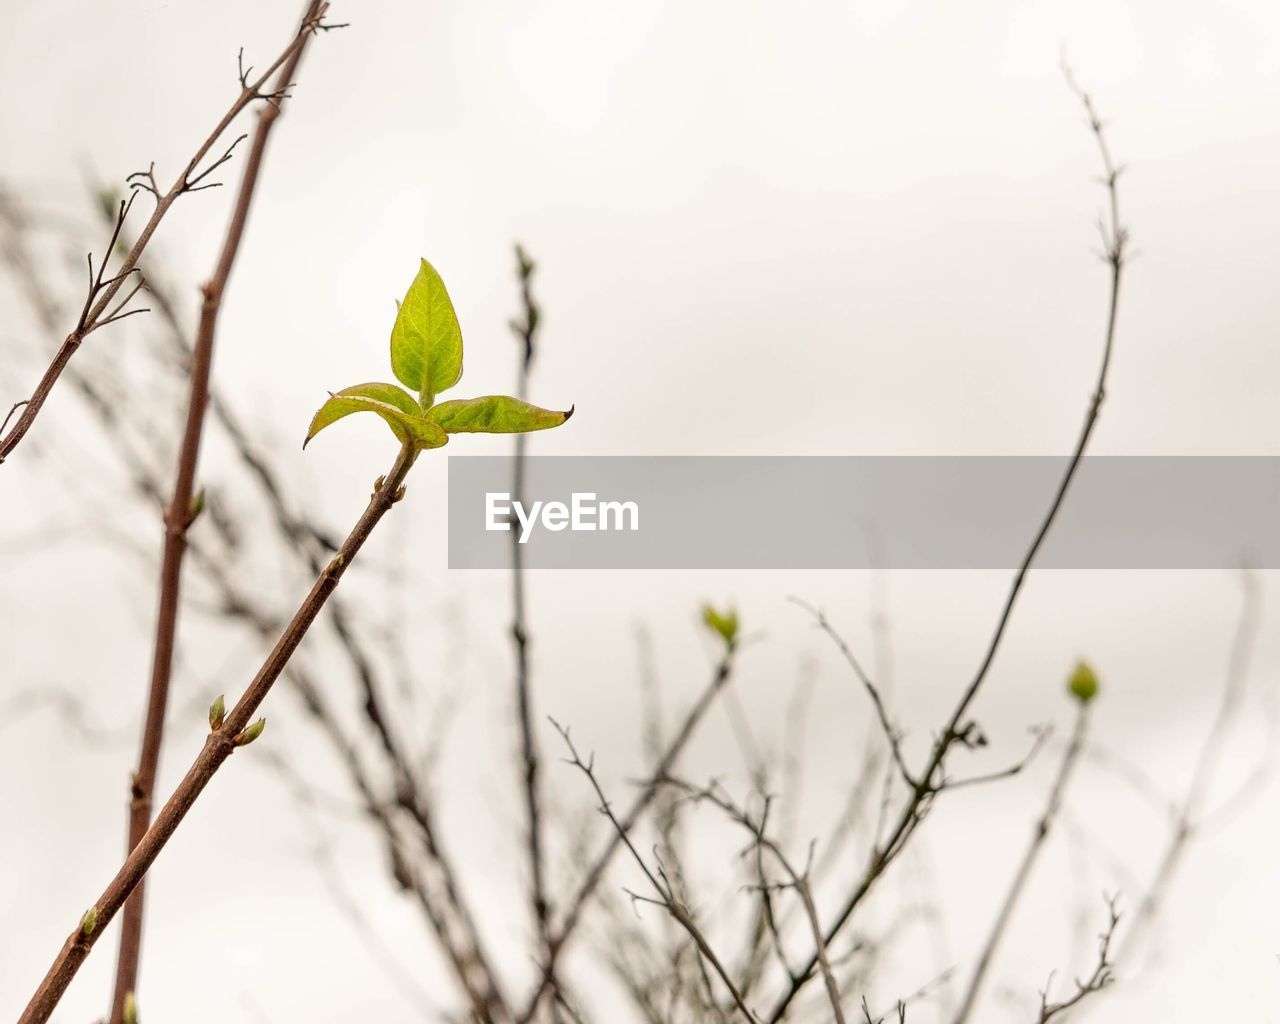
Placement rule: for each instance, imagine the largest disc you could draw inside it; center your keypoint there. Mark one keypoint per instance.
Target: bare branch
(193, 184)
(102, 292)
(1096, 982)
(798, 880)
(891, 732)
(178, 516)
(1023, 874)
(594, 874)
(433, 883)
(958, 730)
(1188, 813)
(526, 329)
(666, 897)
(219, 746)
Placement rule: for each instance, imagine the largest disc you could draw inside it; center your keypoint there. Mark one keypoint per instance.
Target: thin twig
(798, 880)
(102, 291)
(381, 952)
(957, 730)
(666, 896)
(526, 331)
(1187, 817)
(1096, 982)
(595, 873)
(1023, 874)
(891, 732)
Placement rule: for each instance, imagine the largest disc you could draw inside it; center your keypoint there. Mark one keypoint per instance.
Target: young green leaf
(494, 414)
(426, 356)
(426, 341)
(393, 404)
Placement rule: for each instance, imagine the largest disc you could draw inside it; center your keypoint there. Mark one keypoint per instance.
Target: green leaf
(494, 414)
(426, 341)
(1083, 684)
(392, 403)
(725, 623)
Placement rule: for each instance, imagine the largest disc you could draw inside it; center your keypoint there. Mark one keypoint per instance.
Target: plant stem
(1023, 874)
(1188, 813)
(1115, 240)
(434, 883)
(526, 334)
(595, 873)
(178, 517)
(220, 744)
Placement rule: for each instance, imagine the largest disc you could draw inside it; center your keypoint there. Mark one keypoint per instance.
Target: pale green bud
(217, 712)
(251, 733)
(1083, 684)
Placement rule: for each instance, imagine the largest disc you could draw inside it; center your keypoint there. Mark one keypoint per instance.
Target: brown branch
(178, 516)
(957, 731)
(304, 535)
(438, 892)
(900, 1011)
(595, 873)
(661, 885)
(1188, 813)
(797, 880)
(219, 746)
(526, 331)
(1039, 737)
(891, 732)
(1096, 982)
(381, 952)
(1023, 874)
(102, 292)
(434, 885)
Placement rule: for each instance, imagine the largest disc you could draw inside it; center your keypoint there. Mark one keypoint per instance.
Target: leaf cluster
(426, 357)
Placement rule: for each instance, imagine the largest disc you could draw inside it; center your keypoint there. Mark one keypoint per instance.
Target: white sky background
(807, 228)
